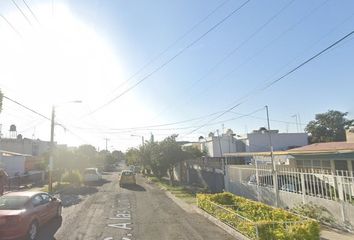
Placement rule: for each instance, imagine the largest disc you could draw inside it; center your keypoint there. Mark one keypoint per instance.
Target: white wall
(259, 142)
(227, 145)
(13, 164)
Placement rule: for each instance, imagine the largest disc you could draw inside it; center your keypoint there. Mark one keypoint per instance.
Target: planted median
(256, 220)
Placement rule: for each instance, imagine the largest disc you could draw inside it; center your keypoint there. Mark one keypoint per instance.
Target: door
(50, 205)
(40, 209)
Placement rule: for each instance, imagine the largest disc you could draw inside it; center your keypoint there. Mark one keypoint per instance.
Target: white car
(92, 175)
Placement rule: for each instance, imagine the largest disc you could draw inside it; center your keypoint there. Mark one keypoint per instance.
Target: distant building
(258, 140)
(350, 134)
(216, 146)
(24, 145)
(331, 156)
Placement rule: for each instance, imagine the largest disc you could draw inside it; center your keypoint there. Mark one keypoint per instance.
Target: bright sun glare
(59, 59)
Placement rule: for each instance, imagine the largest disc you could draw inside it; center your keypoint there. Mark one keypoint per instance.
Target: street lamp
(50, 177)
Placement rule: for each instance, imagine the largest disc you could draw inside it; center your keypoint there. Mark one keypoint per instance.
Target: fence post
(341, 196)
(257, 181)
(257, 234)
(227, 178)
(303, 187)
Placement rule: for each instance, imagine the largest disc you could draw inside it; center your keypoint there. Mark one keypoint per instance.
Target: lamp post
(52, 125)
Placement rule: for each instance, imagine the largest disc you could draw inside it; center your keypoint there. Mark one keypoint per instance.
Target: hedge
(254, 218)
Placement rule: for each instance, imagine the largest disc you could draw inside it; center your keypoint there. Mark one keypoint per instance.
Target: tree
(133, 156)
(328, 127)
(194, 152)
(86, 156)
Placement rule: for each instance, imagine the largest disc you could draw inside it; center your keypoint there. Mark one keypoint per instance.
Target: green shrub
(314, 211)
(250, 217)
(72, 177)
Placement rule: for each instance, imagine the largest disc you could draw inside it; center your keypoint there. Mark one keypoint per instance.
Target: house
(331, 156)
(18, 163)
(34, 147)
(218, 145)
(258, 140)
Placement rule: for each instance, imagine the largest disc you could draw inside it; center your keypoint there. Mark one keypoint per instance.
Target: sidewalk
(329, 234)
(326, 233)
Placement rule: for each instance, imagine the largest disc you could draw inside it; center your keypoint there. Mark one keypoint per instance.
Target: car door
(50, 206)
(39, 208)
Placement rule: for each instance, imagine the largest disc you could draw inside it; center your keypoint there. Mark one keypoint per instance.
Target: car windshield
(127, 173)
(12, 202)
(90, 171)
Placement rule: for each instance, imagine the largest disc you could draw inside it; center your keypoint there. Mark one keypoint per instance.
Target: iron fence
(338, 185)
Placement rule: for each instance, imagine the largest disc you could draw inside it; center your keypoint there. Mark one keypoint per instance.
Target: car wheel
(33, 231)
(59, 210)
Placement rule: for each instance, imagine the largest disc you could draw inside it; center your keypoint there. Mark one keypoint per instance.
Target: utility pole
(274, 171)
(217, 131)
(300, 125)
(296, 120)
(106, 139)
(50, 174)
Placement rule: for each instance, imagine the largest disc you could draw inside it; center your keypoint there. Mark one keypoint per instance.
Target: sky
(170, 67)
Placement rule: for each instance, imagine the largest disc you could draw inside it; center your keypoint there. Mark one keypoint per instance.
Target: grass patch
(186, 193)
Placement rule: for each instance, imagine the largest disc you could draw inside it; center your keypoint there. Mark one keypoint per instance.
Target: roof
(24, 193)
(325, 147)
(312, 149)
(14, 153)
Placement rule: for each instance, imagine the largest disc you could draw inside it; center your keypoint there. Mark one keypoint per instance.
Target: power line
(23, 14)
(261, 50)
(172, 44)
(29, 109)
(172, 58)
(278, 79)
(45, 117)
(32, 13)
(234, 50)
(11, 26)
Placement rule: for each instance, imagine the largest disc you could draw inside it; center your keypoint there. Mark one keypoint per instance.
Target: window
(127, 173)
(326, 164)
(37, 200)
(316, 163)
(13, 202)
(307, 163)
(46, 198)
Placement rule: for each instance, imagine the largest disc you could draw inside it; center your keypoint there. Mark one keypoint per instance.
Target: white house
(258, 140)
(216, 146)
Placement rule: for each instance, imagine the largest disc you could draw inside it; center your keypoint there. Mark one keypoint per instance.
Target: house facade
(34, 147)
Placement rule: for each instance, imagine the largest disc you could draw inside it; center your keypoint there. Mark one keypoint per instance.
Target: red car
(23, 213)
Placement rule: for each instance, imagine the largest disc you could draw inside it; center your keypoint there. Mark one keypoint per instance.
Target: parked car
(127, 177)
(23, 213)
(92, 175)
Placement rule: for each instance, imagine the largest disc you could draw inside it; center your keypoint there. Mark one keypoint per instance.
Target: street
(108, 212)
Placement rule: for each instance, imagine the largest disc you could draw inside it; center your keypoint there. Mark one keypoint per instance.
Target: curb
(220, 224)
(194, 209)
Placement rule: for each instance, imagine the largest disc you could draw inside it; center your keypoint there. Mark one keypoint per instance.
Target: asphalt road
(108, 212)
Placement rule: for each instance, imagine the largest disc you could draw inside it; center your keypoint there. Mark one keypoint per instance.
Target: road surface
(108, 212)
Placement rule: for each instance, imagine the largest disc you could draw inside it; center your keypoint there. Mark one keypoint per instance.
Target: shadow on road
(135, 187)
(75, 195)
(48, 230)
(97, 183)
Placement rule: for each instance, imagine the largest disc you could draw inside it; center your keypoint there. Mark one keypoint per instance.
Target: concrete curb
(222, 225)
(194, 209)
